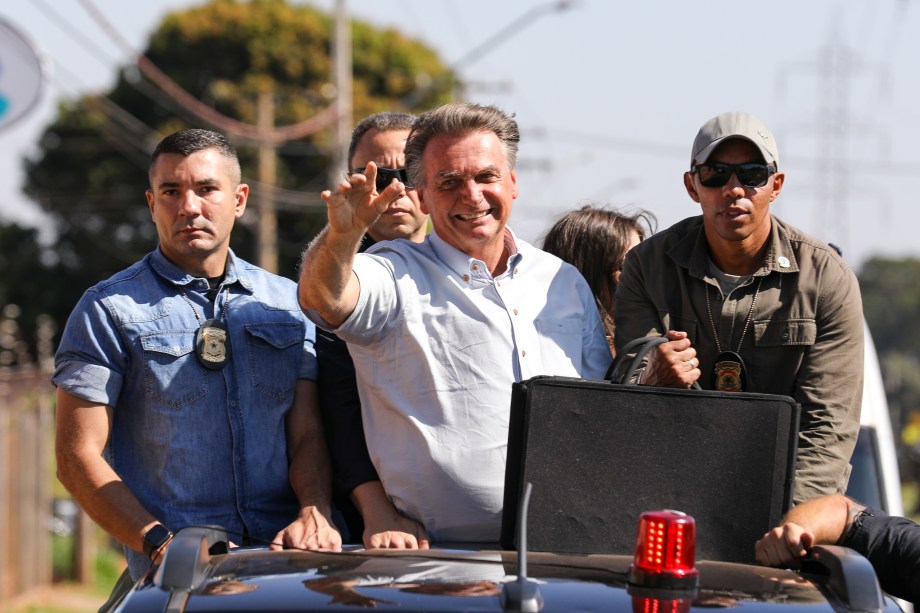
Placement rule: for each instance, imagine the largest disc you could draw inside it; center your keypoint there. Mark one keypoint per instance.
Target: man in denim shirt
(186, 383)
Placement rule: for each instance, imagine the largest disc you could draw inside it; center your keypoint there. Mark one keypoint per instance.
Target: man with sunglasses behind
(359, 496)
(749, 303)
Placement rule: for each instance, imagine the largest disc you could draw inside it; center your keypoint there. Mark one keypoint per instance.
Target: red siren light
(665, 553)
(646, 604)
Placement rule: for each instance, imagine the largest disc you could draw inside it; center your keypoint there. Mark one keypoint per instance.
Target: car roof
(255, 579)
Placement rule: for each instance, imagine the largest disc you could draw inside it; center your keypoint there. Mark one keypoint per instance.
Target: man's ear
(149, 194)
(777, 179)
(242, 196)
(691, 188)
(421, 201)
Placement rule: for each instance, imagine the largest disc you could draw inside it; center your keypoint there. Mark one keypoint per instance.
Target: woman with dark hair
(595, 240)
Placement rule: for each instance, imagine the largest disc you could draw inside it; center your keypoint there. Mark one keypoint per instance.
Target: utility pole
(837, 131)
(833, 119)
(268, 176)
(341, 77)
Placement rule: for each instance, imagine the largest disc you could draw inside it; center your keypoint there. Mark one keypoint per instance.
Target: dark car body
(199, 573)
(254, 579)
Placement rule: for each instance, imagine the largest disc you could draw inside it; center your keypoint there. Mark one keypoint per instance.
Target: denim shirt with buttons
(195, 446)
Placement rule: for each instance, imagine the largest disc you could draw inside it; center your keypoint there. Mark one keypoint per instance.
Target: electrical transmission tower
(839, 134)
(833, 118)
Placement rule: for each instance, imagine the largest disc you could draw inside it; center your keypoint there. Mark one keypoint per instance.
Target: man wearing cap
(749, 303)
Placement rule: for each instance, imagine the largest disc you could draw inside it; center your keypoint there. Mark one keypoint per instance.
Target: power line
(611, 142)
(855, 166)
(204, 112)
(85, 41)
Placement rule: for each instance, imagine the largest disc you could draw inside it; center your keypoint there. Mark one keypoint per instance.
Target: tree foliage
(90, 171)
(891, 301)
(30, 289)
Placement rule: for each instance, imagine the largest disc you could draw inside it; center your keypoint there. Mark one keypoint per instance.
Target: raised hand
(355, 204)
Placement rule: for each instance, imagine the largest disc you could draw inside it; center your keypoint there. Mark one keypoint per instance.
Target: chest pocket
(683, 323)
(172, 376)
(788, 333)
(275, 351)
(560, 342)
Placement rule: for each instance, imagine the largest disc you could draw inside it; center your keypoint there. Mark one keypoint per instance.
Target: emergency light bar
(665, 552)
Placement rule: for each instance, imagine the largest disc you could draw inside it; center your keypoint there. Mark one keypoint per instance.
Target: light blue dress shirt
(195, 446)
(437, 343)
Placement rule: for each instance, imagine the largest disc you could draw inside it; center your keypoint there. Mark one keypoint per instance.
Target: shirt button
(466, 278)
(475, 266)
(785, 336)
(515, 311)
(523, 353)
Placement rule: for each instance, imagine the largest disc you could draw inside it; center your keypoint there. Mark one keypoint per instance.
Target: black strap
(641, 346)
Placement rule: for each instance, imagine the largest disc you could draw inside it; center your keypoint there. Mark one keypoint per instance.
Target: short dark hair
(459, 119)
(382, 122)
(594, 240)
(193, 140)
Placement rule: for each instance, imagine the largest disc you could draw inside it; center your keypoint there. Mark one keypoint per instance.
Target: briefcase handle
(641, 346)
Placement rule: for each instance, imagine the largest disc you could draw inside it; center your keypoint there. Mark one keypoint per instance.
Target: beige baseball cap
(733, 125)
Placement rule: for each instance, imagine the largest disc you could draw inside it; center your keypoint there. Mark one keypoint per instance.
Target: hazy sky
(610, 94)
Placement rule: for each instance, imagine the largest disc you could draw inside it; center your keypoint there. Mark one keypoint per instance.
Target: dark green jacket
(804, 340)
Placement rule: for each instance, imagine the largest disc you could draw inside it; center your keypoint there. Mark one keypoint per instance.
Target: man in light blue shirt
(186, 383)
(440, 330)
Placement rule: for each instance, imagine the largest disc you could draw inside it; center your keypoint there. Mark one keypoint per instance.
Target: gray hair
(382, 122)
(459, 119)
(193, 140)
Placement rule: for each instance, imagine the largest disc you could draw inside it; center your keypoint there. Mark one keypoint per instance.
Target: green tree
(29, 291)
(90, 170)
(891, 300)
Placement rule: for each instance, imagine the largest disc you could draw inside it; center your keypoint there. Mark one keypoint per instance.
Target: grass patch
(109, 565)
(61, 557)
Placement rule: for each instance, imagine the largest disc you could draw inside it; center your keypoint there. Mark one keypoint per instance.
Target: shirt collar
(692, 251)
(176, 276)
(780, 257)
(471, 269)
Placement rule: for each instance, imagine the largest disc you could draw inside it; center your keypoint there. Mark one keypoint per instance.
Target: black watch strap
(154, 538)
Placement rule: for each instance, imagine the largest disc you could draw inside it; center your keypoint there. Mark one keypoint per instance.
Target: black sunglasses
(385, 176)
(717, 174)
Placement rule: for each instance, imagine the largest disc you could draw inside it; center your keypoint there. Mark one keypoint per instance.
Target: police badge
(212, 345)
(728, 374)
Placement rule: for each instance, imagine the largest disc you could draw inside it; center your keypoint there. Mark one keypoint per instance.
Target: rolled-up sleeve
(378, 301)
(90, 361)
